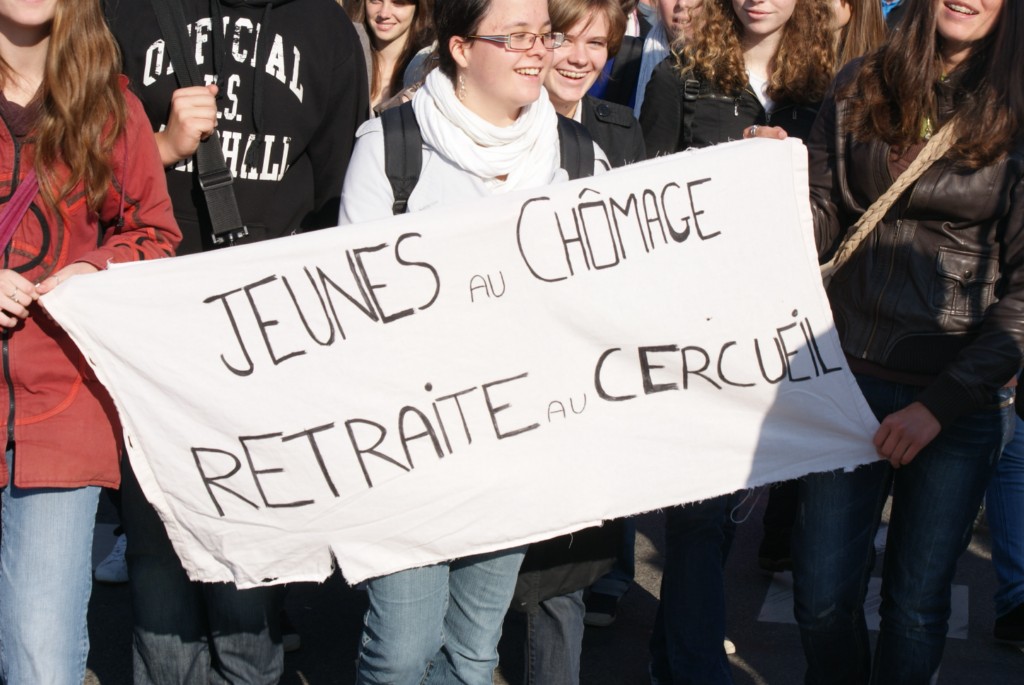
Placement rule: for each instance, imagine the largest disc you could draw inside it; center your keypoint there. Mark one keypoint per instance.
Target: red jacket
(59, 417)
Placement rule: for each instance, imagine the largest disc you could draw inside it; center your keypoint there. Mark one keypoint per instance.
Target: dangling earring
(462, 87)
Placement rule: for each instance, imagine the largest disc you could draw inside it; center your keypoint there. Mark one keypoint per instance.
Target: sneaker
(290, 638)
(601, 609)
(113, 569)
(1010, 627)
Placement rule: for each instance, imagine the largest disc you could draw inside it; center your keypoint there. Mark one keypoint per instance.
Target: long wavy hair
(896, 87)
(801, 70)
(863, 33)
(421, 34)
(83, 110)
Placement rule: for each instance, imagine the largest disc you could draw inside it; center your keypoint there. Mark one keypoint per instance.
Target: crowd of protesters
(912, 112)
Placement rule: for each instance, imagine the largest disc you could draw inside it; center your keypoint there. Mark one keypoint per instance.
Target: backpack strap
(214, 176)
(577, 148)
(403, 153)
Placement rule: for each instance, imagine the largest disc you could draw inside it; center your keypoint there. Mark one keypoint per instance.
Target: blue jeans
(45, 582)
(935, 501)
(689, 628)
(438, 624)
(1005, 512)
(188, 632)
(554, 640)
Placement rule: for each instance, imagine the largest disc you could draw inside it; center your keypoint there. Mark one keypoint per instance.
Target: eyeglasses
(523, 40)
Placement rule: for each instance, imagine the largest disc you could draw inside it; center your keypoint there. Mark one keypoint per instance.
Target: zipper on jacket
(881, 294)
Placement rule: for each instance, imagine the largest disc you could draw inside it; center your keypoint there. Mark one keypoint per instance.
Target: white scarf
(656, 49)
(526, 152)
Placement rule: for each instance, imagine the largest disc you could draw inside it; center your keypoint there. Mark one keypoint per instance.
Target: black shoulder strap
(214, 177)
(577, 148)
(403, 153)
(631, 49)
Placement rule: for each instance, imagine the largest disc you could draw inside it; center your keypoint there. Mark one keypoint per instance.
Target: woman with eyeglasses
(487, 127)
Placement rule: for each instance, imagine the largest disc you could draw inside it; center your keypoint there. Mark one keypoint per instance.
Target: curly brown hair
(83, 110)
(895, 90)
(801, 70)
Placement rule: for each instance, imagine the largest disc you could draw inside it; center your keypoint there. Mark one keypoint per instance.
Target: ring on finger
(752, 131)
(14, 294)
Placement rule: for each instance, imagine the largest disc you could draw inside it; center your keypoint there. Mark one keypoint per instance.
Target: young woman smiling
(398, 29)
(487, 127)
(593, 32)
(930, 312)
(81, 186)
(753, 62)
(749, 62)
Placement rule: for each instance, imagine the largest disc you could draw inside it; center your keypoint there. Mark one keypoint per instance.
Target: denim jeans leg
(935, 501)
(403, 628)
(45, 583)
(833, 553)
(686, 646)
(480, 591)
(187, 632)
(1005, 513)
(554, 641)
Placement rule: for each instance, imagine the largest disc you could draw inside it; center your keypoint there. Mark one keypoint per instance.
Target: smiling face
(578, 63)
(389, 20)
(763, 18)
(961, 23)
(678, 16)
(499, 82)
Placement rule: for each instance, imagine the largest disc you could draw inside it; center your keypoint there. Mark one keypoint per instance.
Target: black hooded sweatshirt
(292, 94)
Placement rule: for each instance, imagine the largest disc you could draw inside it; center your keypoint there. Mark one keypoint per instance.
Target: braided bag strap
(937, 146)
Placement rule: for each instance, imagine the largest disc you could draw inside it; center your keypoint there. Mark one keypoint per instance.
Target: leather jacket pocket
(965, 284)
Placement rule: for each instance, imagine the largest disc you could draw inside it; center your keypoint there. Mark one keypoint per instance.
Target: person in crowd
(859, 29)
(930, 312)
(286, 92)
(556, 572)
(487, 127)
(397, 29)
(593, 38)
(83, 188)
(749, 63)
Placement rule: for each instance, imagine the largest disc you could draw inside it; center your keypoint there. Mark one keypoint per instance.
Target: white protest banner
(469, 378)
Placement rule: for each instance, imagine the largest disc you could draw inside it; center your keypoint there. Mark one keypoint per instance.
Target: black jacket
(682, 111)
(614, 128)
(287, 115)
(938, 287)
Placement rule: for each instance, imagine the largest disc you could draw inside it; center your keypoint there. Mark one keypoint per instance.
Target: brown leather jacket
(938, 288)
